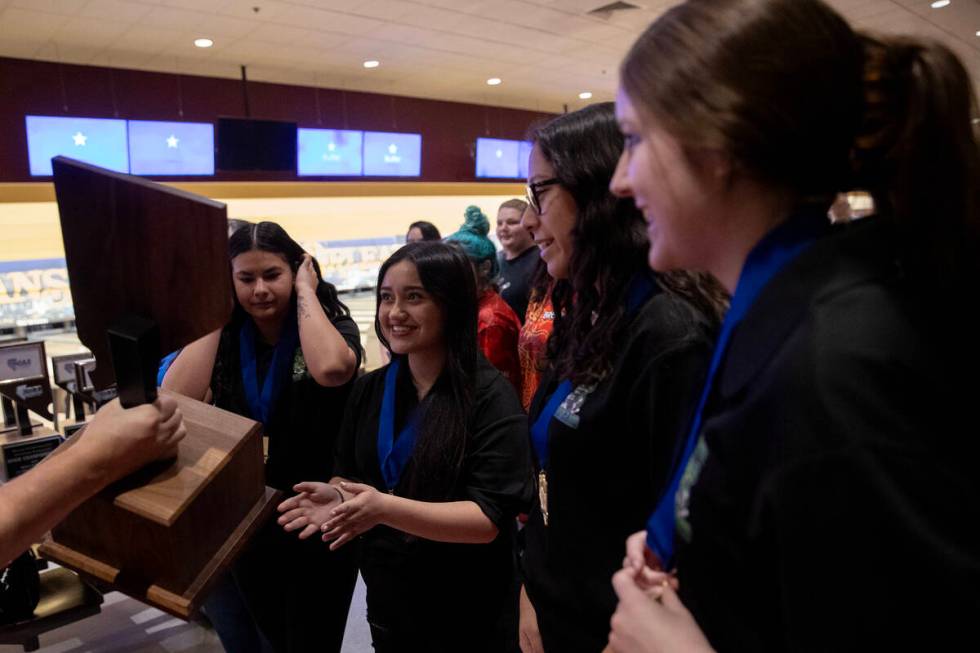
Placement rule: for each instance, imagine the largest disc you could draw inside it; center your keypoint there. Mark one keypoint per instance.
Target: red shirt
(497, 329)
(531, 345)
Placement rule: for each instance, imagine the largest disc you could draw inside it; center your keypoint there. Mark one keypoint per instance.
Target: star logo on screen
(79, 139)
(393, 149)
(172, 142)
(500, 154)
(331, 147)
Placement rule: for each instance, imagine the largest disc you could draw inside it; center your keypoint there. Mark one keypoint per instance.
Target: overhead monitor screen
(523, 155)
(329, 152)
(246, 144)
(392, 155)
(171, 148)
(496, 158)
(98, 141)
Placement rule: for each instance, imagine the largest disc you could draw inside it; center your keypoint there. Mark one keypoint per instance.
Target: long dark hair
(270, 237)
(803, 103)
(609, 245)
(447, 275)
(428, 230)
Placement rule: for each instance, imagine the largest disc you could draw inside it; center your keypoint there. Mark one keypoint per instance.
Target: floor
(128, 626)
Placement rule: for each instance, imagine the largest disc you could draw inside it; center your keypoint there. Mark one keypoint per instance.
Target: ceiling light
(585, 95)
(203, 43)
(939, 4)
(493, 81)
(372, 64)
(978, 32)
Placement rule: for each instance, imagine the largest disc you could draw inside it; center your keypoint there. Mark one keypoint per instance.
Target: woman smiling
(432, 467)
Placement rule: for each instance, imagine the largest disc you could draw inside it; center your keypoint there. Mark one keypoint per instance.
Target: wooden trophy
(25, 388)
(148, 268)
(65, 377)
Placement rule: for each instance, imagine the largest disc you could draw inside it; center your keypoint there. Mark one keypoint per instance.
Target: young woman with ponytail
(826, 497)
(286, 359)
(432, 467)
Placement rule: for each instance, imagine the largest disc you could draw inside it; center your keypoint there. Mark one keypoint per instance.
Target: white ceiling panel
(322, 19)
(18, 24)
(152, 40)
(385, 10)
(19, 48)
(96, 32)
(61, 7)
(174, 17)
(245, 9)
(434, 18)
(271, 33)
(405, 34)
(116, 10)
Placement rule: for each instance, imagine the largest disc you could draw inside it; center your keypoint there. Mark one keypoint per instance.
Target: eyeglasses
(532, 190)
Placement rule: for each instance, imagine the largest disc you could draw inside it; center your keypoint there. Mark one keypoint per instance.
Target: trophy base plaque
(165, 534)
(19, 453)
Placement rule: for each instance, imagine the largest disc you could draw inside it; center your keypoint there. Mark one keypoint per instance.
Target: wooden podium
(140, 253)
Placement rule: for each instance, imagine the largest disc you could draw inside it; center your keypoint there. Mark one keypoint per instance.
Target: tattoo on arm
(301, 308)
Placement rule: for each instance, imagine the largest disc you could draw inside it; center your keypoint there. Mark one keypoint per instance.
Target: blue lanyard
(261, 403)
(642, 288)
(539, 432)
(393, 454)
(777, 249)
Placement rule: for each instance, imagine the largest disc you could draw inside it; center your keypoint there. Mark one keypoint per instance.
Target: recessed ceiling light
(939, 4)
(978, 32)
(372, 64)
(493, 81)
(203, 43)
(585, 95)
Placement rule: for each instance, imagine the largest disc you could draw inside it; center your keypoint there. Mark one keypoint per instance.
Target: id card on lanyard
(774, 252)
(642, 288)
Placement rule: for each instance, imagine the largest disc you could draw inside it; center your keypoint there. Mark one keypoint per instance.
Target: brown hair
(520, 205)
(802, 103)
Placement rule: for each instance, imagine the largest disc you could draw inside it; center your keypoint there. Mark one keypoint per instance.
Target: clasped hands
(650, 617)
(317, 508)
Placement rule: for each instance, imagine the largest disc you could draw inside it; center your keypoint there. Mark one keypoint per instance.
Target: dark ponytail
(270, 237)
(917, 154)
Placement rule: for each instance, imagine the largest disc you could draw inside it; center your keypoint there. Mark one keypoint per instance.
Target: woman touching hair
(286, 359)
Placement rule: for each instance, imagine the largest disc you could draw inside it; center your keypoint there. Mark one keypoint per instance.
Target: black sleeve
(345, 463)
(348, 329)
(874, 527)
(857, 535)
(498, 461)
(662, 399)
